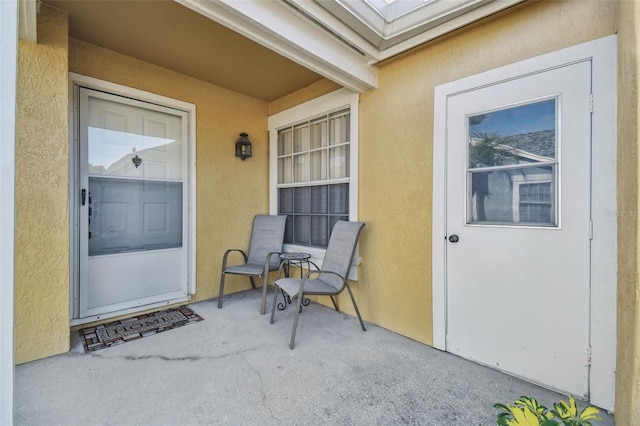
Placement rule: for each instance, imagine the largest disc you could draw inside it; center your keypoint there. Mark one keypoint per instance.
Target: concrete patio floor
(234, 368)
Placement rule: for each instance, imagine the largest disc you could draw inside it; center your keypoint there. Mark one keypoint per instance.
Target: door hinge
(589, 356)
(591, 230)
(591, 102)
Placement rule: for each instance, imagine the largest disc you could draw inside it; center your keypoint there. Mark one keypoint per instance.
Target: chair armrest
(226, 254)
(314, 265)
(310, 273)
(280, 268)
(267, 262)
(306, 276)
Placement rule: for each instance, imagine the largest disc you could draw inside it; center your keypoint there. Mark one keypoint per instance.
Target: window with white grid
(313, 165)
(313, 177)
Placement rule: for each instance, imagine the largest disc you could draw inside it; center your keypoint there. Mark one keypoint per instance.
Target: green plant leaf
(573, 408)
(503, 421)
(560, 410)
(533, 405)
(527, 411)
(590, 413)
(524, 417)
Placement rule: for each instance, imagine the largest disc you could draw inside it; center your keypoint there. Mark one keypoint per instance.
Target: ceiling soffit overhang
(342, 40)
(281, 28)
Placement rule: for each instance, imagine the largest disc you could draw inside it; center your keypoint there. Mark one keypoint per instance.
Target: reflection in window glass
(512, 166)
(513, 196)
(535, 202)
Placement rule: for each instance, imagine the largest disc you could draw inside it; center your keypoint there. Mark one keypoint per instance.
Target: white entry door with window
(133, 203)
(524, 252)
(518, 212)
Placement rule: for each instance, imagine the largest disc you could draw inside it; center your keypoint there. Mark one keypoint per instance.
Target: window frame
(331, 102)
(535, 180)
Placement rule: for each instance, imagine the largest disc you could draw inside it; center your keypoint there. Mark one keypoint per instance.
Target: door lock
(454, 238)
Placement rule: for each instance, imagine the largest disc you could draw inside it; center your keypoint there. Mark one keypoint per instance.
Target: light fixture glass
(243, 146)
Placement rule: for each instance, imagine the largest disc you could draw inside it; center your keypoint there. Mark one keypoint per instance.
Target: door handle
(453, 239)
(83, 195)
(90, 214)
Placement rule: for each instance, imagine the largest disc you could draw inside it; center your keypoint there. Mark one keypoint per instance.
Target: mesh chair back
(266, 237)
(340, 251)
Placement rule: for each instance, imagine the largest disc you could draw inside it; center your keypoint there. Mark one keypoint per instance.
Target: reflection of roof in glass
(542, 143)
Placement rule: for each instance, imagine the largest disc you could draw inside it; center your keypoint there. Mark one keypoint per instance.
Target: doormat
(126, 330)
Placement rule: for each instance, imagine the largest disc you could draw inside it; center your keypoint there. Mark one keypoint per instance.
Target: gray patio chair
(331, 279)
(265, 247)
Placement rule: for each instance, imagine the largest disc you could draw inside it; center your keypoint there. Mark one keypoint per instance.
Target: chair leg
(221, 294)
(263, 302)
(335, 305)
(253, 283)
(275, 299)
(295, 320)
(353, 300)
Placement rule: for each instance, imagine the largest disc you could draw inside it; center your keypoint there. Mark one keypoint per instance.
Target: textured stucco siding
(396, 145)
(628, 357)
(395, 168)
(396, 176)
(42, 193)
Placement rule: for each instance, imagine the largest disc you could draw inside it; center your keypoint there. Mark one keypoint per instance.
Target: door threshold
(122, 312)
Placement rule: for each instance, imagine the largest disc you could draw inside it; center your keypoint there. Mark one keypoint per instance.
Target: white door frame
(8, 84)
(602, 54)
(76, 80)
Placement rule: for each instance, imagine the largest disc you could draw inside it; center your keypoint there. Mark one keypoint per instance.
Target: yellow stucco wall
(395, 163)
(42, 193)
(312, 91)
(229, 191)
(396, 145)
(395, 168)
(628, 357)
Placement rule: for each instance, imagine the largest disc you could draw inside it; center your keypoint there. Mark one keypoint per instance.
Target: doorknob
(454, 239)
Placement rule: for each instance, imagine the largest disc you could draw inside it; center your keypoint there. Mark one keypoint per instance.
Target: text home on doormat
(117, 332)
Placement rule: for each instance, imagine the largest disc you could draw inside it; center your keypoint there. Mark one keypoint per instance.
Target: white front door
(133, 176)
(518, 185)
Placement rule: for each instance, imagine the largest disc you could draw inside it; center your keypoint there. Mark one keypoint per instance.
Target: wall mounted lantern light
(243, 146)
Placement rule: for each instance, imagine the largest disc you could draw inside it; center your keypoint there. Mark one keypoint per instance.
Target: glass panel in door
(512, 166)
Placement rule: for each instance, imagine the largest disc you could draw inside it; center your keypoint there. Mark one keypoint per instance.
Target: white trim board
(9, 66)
(602, 55)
